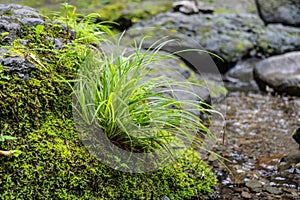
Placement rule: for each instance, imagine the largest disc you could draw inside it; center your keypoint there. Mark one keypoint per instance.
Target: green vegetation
(54, 164)
(126, 102)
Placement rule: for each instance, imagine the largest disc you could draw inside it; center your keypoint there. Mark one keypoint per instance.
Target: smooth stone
(230, 36)
(280, 73)
(246, 195)
(254, 186)
(274, 190)
(279, 11)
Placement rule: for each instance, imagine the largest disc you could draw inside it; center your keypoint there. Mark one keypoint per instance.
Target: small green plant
(113, 92)
(39, 29)
(88, 29)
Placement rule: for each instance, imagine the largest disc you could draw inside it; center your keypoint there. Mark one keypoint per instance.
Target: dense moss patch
(54, 164)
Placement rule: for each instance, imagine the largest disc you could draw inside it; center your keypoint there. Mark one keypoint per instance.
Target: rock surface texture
(280, 11)
(13, 18)
(281, 73)
(231, 36)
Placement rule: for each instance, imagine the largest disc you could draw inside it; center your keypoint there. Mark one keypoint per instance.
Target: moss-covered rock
(232, 37)
(280, 11)
(127, 13)
(123, 12)
(53, 163)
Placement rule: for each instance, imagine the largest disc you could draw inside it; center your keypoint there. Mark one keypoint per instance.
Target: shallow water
(259, 146)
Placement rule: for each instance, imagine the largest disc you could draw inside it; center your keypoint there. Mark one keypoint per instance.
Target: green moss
(239, 47)
(252, 9)
(215, 90)
(130, 11)
(222, 11)
(54, 164)
(111, 12)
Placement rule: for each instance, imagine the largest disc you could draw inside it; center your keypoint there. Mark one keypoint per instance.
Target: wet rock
(246, 195)
(231, 36)
(254, 186)
(279, 11)
(270, 163)
(19, 66)
(263, 113)
(296, 135)
(273, 190)
(281, 73)
(214, 84)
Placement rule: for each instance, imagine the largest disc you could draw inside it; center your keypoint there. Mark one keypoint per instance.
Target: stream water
(263, 159)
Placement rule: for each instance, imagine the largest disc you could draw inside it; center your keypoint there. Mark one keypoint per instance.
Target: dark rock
(280, 73)
(231, 36)
(19, 66)
(279, 11)
(296, 135)
(6, 26)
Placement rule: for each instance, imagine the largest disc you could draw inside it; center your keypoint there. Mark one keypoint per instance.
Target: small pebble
(246, 195)
(274, 190)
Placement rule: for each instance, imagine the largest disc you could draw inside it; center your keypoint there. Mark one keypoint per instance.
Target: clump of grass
(114, 93)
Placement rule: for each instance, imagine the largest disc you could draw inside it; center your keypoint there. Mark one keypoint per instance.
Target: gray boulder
(279, 73)
(231, 36)
(279, 11)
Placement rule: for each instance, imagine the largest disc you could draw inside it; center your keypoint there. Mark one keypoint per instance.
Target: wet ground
(263, 159)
